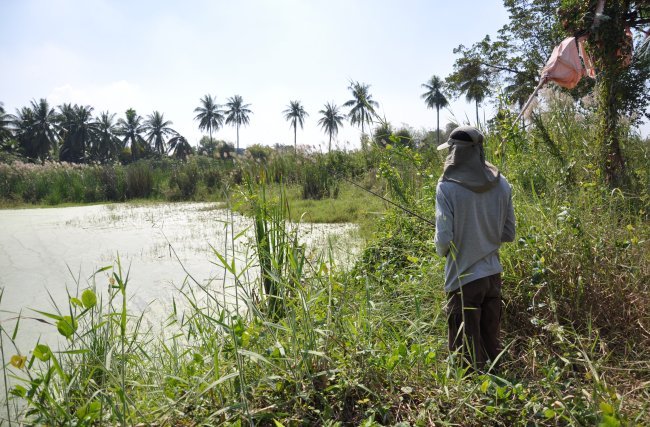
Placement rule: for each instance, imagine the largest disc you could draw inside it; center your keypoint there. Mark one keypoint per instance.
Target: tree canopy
(295, 114)
(511, 63)
(237, 113)
(435, 98)
(362, 106)
(209, 114)
(330, 121)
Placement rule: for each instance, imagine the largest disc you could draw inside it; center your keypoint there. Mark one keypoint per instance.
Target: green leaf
(241, 233)
(501, 392)
(485, 386)
(108, 267)
(66, 326)
(609, 421)
(277, 423)
(90, 411)
(42, 352)
(76, 301)
(549, 413)
(219, 381)
(50, 315)
(89, 298)
(392, 362)
(19, 391)
(606, 408)
(254, 356)
(15, 332)
(402, 350)
(77, 351)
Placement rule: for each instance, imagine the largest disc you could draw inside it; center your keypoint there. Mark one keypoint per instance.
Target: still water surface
(46, 253)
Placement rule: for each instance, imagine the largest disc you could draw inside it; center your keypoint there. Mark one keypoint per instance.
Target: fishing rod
(410, 212)
(397, 205)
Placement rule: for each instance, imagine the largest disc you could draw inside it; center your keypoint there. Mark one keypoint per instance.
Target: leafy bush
(319, 182)
(113, 182)
(186, 178)
(139, 180)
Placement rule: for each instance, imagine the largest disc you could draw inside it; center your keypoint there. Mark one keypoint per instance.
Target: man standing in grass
(474, 215)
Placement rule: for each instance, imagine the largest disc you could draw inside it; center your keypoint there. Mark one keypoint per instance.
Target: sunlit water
(46, 253)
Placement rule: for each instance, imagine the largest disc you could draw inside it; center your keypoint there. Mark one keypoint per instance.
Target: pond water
(46, 253)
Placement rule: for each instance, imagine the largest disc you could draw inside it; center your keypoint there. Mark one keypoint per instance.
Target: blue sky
(165, 55)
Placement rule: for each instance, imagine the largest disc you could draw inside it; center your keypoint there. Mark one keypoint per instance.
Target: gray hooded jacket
(474, 212)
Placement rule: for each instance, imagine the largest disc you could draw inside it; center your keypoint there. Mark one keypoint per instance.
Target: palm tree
(237, 113)
(22, 123)
(521, 85)
(210, 115)
(331, 121)
(434, 97)
(131, 129)
(295, 114)
(158, 129)
(180, 147)
(473, 82)
(42, 130)
(35, 130)
(105, 145)
(76, 128)
(5, 124)
(363, 106)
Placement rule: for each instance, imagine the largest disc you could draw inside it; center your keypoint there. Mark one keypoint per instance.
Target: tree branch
(500, 67)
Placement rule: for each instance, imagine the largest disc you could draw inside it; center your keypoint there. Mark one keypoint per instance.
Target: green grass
(352, 205)
(368, 346)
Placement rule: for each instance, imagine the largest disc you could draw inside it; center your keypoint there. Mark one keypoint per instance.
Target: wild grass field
(312, 343)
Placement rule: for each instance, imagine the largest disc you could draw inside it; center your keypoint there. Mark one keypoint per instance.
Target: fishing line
(410, 212)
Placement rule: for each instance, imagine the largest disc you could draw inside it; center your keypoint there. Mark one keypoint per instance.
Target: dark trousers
(474, 317)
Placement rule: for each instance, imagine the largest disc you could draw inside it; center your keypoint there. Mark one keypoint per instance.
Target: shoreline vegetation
(309, 343)
(306, 341)
(305, 179)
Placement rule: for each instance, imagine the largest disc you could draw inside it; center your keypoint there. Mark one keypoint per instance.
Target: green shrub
(139, 180)
(186, 179)
(318, 182)
(113, 183)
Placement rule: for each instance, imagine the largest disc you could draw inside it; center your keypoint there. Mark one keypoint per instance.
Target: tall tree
(105, 145)
(131, 128)
(76, 128)
(295, 114)
(434, 97)
(209, 114)
(23, 125)
(157, 130)
(330, 121)
(535, 27)
(472, 80)
(622, 84)
(43, 138)
(5, 124)
(179, 146)
(237, 113)
(362, 105)
(519, 51)
(35, 128)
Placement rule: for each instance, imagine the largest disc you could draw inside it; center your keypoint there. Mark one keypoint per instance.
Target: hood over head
(465, 164)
